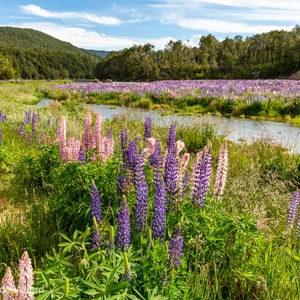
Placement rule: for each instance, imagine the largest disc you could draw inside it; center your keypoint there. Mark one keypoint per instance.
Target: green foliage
(36, 55)
(6, 69)
(268, 55)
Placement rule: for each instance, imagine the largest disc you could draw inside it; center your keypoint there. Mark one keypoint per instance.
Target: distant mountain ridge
(37, 55)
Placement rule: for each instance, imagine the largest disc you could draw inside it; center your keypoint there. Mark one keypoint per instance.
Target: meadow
(125, 209)
(276, 100)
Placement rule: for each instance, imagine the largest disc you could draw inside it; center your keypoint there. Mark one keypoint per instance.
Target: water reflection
(234, 129)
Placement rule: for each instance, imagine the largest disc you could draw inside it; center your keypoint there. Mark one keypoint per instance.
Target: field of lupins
(266, 99)
(125, 210)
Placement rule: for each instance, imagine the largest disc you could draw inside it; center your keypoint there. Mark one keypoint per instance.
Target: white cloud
(220, 26)
(274, 4)
(38, 11)
(88, 39)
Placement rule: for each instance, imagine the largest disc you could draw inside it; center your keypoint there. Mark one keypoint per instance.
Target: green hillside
(36, 55)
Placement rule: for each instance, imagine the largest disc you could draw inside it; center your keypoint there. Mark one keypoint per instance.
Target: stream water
(234, 129)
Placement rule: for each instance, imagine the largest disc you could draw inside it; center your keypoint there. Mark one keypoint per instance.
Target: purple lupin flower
(81, 156)
(171, 143)
(27, 117)
(95, 204)
(171, 168)
(124, 146)
(2, 116)
(123, 226)
(121, 182)
(138, 169)
(142, 194)
(1, 134)
(148, 128)
(293, 208)
(34, 120)
(171, 177)
(157, 162)
(132, 154)
(201, 178)
(159, 215)
(175, 249)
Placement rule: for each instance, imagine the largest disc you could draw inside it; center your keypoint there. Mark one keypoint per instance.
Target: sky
(118, 24)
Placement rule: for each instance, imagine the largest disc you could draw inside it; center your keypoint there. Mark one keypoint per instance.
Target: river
(235, 129)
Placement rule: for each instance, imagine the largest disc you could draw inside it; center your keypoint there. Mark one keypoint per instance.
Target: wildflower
(121, 182)
(150, 147)
(95, 204)
(96, 139)
(179, 147)
(175, 249)
(81, 156)
(202, 178)
(171, 139)
(123, 226)
(221, 172)
(159, 215)
(107, 148)
(293, 208)
(8, 289)
(141, 206)
(132, 154)
(124, 146)
(25, 278)
(171, 177)
(86, 138)
(171, 168)
(181, 177)
(148, 128)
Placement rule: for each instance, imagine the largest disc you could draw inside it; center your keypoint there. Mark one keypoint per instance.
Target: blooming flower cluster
(25, 286)
(76, 150)
(294, 212)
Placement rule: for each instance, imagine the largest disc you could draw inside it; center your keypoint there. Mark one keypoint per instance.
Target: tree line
(275, 54)
(30, 54)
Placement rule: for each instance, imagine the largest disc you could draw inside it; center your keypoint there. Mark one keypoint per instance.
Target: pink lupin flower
(86, 138)
(62, 137)
(182, 167)
(179, 147)
(73, 149)
(149, 148)
(25, 278)
(8, 289)
(221, 172)
(96, 139)
(107, 148)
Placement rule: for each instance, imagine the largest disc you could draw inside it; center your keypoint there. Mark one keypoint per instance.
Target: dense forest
(275, 54)
(30, 54)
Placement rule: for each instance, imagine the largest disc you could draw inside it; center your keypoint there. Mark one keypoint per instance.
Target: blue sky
(114, 25)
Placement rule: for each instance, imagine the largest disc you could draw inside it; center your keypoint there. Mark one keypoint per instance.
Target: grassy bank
(237, 246)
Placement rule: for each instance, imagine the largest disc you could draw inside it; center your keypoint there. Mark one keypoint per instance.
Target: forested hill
(36, 55)
(275, 54)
